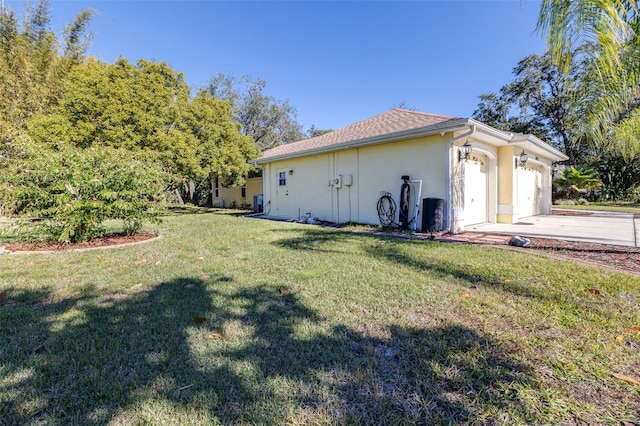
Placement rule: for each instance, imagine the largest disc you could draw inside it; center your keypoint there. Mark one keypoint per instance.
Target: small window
(243, 192)
(216, 189)
(282, 178)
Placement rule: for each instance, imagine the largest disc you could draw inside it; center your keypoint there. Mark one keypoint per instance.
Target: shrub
(583, 202)
(72, 191)
(565, 202)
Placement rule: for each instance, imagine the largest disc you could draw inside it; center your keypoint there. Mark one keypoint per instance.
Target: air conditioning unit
(258, 203)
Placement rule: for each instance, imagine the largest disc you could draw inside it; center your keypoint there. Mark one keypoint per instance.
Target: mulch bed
(619, 258)
(107, 241)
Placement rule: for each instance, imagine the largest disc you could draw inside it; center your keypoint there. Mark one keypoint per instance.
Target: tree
(543, 100)
(31, 67)
(577, 181)
(569, 24)
(313, 132)
(146, 108)
(270, 122)
(610, 102)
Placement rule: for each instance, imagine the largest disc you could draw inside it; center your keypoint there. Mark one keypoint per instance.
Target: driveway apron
(620, 229)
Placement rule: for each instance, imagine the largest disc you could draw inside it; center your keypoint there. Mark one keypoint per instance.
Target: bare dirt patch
(107, 241)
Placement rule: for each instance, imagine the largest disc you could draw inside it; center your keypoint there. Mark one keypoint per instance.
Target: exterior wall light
(523, 158)
(290, 171)
(465, 151)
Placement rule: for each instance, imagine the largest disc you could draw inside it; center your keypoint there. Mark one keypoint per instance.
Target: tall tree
(270, 122)
(540, 100)
(146, 108)
(610, 101)
(31, 67)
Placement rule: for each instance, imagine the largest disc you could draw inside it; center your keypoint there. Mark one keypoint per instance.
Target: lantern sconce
(522, 159)
(465, 151)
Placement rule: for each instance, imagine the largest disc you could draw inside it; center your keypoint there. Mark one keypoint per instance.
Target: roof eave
(447, 126)
(539, 146)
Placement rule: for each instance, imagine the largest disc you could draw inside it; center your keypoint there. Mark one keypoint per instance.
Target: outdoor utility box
(258, 203)
(432, 214)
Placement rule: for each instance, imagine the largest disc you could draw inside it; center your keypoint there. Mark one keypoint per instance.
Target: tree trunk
(178, 196)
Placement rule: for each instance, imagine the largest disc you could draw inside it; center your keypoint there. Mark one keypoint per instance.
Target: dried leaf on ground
(626, 379)
(189, 286)
(283, 291)
(140, 261)
(620, 337)
(594, 291)
(506, 280)
(465, 295)
(3, 297)
(200, 319)
(204, 277)
(201, 258)
(215, 336)
(636, 328)
(159, 262)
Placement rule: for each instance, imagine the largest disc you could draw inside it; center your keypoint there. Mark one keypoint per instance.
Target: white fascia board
(536, 145)
(448, 126)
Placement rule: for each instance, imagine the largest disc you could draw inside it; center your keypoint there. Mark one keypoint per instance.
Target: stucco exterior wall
(345, 186)
(232, 197)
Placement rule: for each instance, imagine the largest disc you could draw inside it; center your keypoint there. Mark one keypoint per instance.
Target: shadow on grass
(320, 240)
(102, 358)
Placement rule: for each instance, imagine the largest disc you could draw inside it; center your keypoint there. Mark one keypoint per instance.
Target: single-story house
(438, 171)
(241, 197)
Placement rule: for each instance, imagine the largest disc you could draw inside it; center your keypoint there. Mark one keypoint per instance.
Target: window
(216, 190)
(282, 179)
(243, 192)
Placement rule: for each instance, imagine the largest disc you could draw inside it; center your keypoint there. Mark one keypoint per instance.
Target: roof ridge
(385, 123)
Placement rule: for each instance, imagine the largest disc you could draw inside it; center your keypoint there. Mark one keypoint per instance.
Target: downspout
(471, 131)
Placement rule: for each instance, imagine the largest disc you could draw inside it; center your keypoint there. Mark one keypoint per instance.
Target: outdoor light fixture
(290, 171)
(522, 159)
(465, 151)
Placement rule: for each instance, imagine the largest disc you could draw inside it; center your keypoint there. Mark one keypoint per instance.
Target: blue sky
(336, 62)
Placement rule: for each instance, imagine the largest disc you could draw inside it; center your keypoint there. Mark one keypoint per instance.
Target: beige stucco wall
(232, 197)
(510, 200)
(373, 170)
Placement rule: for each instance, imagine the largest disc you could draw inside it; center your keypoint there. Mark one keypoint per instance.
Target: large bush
(70, 192)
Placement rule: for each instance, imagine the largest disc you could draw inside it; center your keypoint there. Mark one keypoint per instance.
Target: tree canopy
(268, 121)
(83, 141)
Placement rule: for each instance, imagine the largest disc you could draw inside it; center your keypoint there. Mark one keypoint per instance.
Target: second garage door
(529, 191)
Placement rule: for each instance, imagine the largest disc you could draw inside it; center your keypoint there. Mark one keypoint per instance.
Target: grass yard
(244, 321)
(609, 206)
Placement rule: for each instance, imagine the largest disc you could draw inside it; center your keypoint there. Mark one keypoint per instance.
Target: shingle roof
(393, 121)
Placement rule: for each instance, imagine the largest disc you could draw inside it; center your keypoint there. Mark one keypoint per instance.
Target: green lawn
(611, 206)
(369, 330)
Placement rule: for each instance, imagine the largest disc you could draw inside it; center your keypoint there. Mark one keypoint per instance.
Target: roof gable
(390, 122)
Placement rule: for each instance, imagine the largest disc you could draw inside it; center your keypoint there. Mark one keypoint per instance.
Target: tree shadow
(320, 240)
(313, 240)
(102, 357)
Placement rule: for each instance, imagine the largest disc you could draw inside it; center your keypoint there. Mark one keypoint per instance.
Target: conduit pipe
(470, 133)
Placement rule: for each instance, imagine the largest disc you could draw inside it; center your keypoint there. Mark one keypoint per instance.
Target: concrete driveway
(620, 229)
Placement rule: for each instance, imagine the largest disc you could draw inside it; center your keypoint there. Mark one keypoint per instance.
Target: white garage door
(529, 191)
(475, 190)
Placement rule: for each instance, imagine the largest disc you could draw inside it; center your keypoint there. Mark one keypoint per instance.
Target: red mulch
(107, 241)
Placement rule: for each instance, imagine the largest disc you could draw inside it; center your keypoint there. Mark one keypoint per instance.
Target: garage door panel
(529, 191)
(475, 191)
